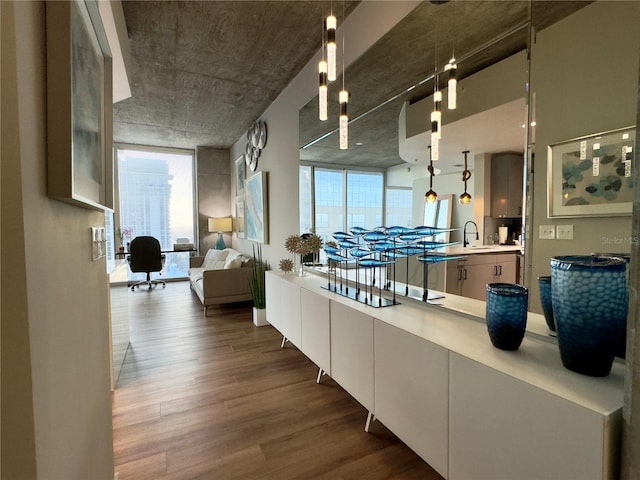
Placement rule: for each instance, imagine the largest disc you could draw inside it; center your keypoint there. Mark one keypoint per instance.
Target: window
(329, 200)
(334, 200)
(398, 207)
(156, 193)
(364, 199)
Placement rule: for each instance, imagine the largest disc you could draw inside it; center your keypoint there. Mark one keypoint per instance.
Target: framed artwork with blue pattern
(591, 176)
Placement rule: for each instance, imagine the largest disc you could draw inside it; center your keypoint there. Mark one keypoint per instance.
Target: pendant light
(452, 83)
(322, 87)
(431, 196)
(331, 23)
(343, 98)
(436, 115)
(436, 118)
(465, 198)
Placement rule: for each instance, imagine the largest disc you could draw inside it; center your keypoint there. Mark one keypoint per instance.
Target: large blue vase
(506, 314)
(544, 285)
(590, 302)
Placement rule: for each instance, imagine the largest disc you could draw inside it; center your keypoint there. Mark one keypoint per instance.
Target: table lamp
(220, 225)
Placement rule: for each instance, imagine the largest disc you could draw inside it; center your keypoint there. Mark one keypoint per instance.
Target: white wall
(368, 22)
(59, 419)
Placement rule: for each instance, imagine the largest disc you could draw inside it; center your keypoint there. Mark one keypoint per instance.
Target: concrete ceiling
(203, 71)
(396, 67)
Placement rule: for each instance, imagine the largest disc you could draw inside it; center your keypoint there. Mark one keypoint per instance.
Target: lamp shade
(220, 224)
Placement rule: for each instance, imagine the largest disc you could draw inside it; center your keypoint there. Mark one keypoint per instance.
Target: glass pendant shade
(465, 198)
(437, 111)
(435, 147)
(343, 97)
(322, 90)
(331, 23)
(430, 196)
(452, 83)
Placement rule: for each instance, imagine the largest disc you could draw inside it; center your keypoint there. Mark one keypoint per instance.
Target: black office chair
(145, 256)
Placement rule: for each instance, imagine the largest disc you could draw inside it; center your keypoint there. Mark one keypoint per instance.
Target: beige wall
(54, 298)
(585, 78)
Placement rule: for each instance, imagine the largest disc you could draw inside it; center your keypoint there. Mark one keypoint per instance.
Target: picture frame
(79, 112)
(240, 220)
(256, 208)
(590, 176)
(240, 174)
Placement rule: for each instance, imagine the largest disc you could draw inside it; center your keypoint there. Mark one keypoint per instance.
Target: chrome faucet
(464, 233)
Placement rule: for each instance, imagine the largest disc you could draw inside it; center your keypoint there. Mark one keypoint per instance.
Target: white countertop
(480, 249)
(537, 361)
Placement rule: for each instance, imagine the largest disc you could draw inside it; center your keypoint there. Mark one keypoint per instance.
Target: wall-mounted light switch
(547, 232)
(98, 243)
(564, 232)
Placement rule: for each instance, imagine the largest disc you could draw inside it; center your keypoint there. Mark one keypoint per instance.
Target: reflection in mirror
(391, 88)
(438, 214)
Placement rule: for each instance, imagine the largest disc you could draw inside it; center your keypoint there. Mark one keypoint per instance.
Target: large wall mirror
(580, 61)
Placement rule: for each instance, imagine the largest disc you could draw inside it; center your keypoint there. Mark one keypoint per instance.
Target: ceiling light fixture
(452, 94)
(431, 196)
(322, 90)
(323, 85)
(436, 115)
(465, 198)
(331, 24)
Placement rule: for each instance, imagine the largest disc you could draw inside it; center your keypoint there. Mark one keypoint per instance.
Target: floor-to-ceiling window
(334, 200)
(398, 204)
(156, 198)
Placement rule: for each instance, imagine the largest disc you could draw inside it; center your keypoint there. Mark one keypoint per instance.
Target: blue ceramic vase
(544, 285)
(506, 314)
(590, 302)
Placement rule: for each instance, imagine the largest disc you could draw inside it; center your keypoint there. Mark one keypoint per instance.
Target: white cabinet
(504, 428)
(273, 289)
(352, 352)
(283, 306)
(316, 329)
(412, 392)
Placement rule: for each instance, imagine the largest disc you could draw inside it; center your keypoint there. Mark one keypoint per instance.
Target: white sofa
(221, 276)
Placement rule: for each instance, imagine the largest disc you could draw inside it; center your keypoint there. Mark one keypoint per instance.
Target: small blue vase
(506, 314)
(590, 302)
(544, 285)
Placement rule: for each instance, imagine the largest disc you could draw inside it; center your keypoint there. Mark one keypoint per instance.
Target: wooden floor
(217, 398)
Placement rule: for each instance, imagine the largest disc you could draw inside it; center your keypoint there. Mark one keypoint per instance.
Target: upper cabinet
(506, 185)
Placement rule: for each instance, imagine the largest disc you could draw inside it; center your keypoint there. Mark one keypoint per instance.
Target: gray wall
(585, 77)
(56, 398)
(214, 193)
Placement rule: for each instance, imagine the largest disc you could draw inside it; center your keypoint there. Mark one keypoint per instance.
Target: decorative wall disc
(256, 141)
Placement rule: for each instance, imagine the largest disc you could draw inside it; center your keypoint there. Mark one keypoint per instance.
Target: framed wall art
(79, 106)
(256, 208)
(240, 223)
(240, 175)
(591, 176)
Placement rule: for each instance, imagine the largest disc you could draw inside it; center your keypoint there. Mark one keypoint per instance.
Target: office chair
(145, 256)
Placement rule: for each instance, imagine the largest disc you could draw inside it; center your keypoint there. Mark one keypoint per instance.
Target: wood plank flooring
(217, 398)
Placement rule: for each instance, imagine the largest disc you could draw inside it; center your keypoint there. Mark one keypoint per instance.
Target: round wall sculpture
(256, 141)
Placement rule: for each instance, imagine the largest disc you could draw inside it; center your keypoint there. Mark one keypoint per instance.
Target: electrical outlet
(547, 232)
(564, 232)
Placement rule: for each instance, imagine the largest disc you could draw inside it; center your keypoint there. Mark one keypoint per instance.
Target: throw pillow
(233, 262)
(213, 254)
